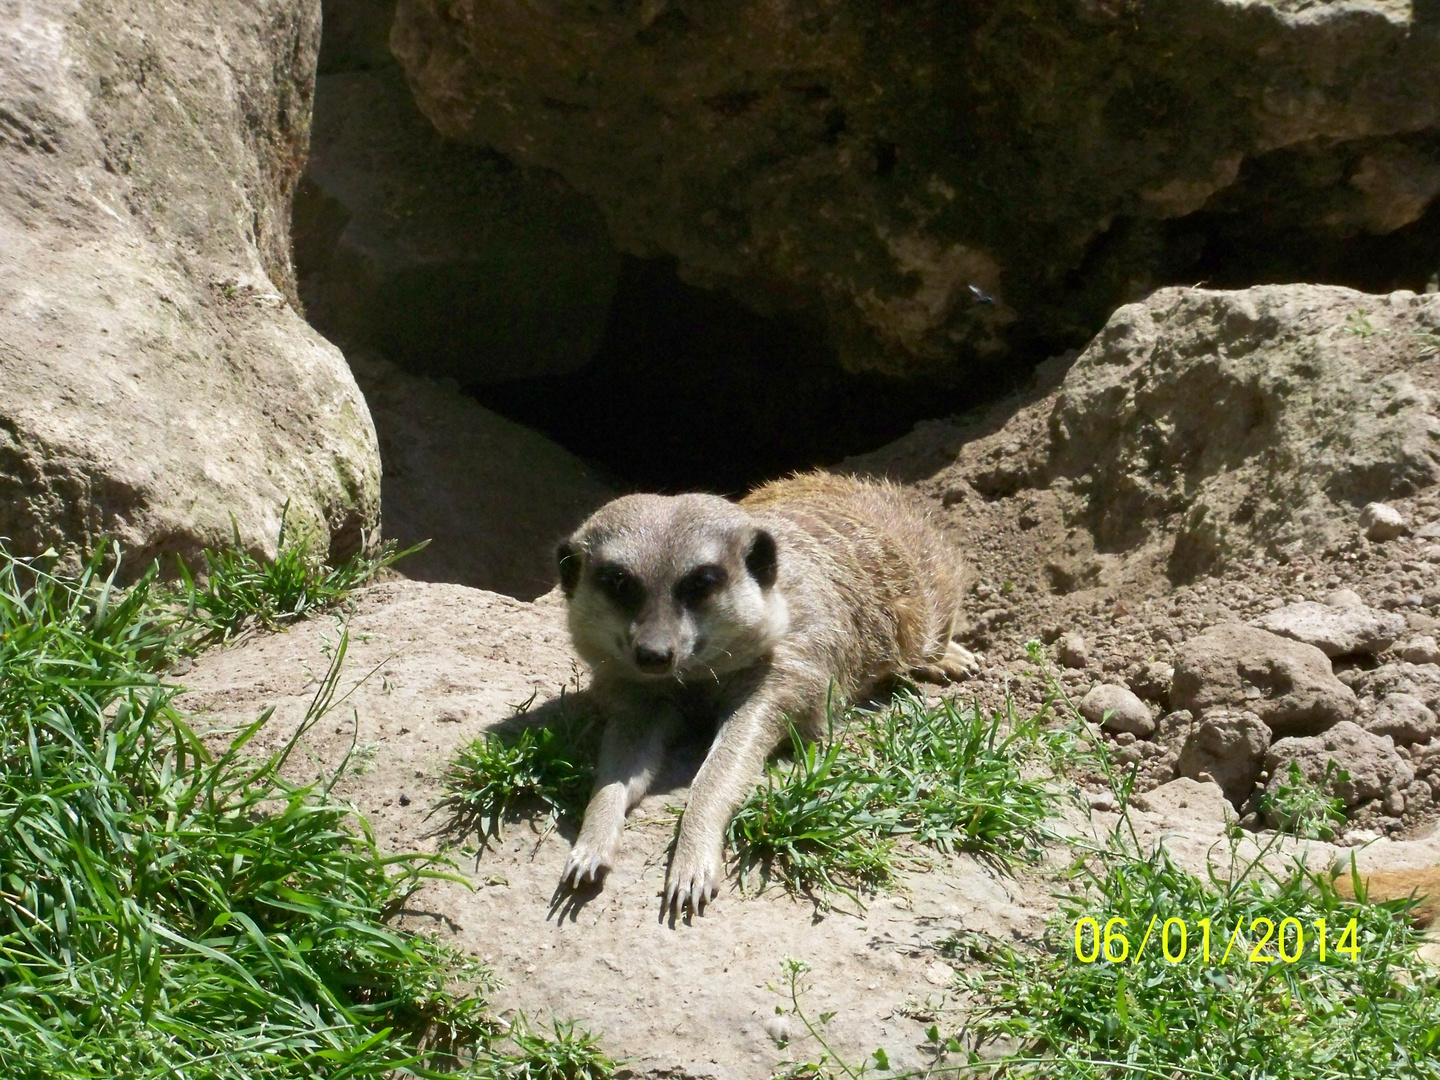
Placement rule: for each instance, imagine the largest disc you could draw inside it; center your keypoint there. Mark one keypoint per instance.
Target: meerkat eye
(700, 584)
(622, 587)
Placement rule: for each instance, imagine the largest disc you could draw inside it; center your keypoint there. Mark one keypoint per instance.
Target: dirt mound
(1210, 458)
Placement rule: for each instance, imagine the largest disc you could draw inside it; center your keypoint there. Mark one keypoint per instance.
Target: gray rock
(1374, 768)
(1070, 650)
(1420, 650)
(1405, 718)
(1420, 680)
(1185, 801)
(1127, 713)
(1335, 631)
(1418, 797)
(1175, 727)
(1229, 747)
(1288, 684)
(1341, 598)
(1382, 522)
(159, 382)
(1152, 681)
(1182, 418)
(778, 154)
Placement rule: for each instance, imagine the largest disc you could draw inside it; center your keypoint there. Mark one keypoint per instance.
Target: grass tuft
(563, 1054)
(1374, 1013)
(237, 588)
(943, 775)
(504, 772)
(1302, 808)
(812, 826)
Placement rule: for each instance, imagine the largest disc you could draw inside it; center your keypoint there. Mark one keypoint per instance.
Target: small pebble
(1103, 801)
(1070, 650)
(1345, 598)
(1420, 650)
(1127, 714)
(1381, 522)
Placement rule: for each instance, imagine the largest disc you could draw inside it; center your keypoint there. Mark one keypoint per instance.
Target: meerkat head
(672, 587)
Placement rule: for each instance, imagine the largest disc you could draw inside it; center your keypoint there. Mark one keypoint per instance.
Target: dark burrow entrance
(453, 262)
(690, 390)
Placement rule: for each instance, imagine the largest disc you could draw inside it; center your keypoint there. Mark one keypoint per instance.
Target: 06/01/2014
(1113, 945)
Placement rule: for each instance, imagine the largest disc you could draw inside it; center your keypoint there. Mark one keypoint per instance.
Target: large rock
(1227, 425)
(1335, 631)
(158, 381)
(1288, 684)
(445, 256)
(944, 180)
(1374, 768)
(1229, 748)
(1403, 717)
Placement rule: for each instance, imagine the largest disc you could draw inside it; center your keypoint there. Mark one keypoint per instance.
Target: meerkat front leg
(632, 750)
(735, 764)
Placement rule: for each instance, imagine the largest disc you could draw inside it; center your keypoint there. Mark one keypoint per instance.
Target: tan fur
(1423, 883)
(864, 588)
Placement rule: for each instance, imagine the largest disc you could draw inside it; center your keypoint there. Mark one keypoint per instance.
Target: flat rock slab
(1335, 631)
(431, 667)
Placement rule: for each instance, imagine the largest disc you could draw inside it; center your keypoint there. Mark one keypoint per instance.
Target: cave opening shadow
(690, 390)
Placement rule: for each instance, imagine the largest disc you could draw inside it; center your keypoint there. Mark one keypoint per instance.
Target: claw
(582, 870)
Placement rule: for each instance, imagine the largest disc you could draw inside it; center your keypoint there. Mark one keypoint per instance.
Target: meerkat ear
(568, 558)
(762, 560)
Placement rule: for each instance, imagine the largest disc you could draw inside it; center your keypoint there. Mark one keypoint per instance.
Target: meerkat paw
(957, 664)
(588, 864)
(695, 879)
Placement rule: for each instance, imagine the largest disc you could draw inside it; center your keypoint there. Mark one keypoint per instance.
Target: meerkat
(755, 615)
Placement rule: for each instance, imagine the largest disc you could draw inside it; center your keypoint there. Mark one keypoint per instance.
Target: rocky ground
(1296, 623)
(1165, 502)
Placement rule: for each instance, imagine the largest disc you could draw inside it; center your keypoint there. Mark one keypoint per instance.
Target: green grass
(169, 913)
(1144, 1010)
(1372, 1013)
(503, 773)
(812, 826)
(1042, 1013)
(944, 776)
(1302, 808)
(238, 588)
(826, 820)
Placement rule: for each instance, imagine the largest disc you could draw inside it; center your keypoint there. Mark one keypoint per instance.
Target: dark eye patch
(621, 587)
(700, 584)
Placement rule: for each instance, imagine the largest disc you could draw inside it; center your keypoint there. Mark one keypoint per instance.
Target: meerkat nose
(653, 661)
